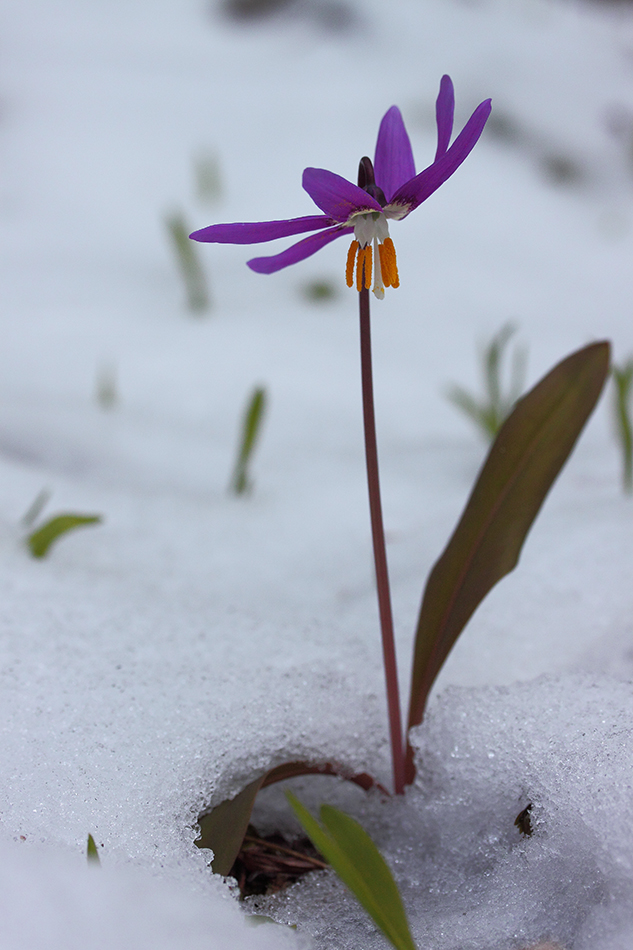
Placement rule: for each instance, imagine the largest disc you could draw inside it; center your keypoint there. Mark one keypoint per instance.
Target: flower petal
(261, 231)
(298, 252)
(444, 109)
(414, 192)
(393, 160)
(335, 195)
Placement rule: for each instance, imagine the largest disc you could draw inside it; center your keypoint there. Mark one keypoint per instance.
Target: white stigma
(378, 289)
(369, 226)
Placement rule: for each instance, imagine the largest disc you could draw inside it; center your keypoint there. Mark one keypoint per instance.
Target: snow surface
(153, 665)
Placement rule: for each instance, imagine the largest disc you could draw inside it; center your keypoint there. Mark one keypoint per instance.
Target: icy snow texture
(152, 666)
(469, 878)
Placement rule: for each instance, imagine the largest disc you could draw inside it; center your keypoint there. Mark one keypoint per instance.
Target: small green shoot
(36, 508)
(190, 268)
(623, 379)
(92, 854)
(208, 178)
(490, 412)
(319, 291)
(106, 387)
(39, 541)
(251, 426)
(361, 867)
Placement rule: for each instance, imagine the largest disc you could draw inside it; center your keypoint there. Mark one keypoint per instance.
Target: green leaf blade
(198, 299)
(489, 412)
(92, 854)
(524, 461)
(250, 432)
(41, 540)
(361, 867)
(36, 508)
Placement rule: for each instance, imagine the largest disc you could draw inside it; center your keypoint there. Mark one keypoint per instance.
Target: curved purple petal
(444, 110)
(335, 195)
(260, 231)
(414, 192)
(298, 252)
(393, 160)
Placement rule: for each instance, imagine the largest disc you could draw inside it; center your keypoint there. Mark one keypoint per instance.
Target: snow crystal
(470, 878)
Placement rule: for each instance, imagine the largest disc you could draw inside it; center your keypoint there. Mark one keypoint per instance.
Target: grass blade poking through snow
(208, 177)
(361, 867)
(40, 541)
(251, 426)
(91, 852)
(190, 268)
(623, 378)
(524, 460)
(106, 387)
(490, 412)
(36, 508)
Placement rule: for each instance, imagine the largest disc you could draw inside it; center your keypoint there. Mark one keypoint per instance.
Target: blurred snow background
(151, 666)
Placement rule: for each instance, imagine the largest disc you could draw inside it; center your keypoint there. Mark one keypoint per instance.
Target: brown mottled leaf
(524, 460)
(223, 829)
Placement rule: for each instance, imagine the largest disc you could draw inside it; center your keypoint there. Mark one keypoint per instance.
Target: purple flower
(387, 190)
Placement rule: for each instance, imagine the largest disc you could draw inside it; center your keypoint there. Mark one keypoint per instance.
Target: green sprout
(623, 379)
(208, 179)
(355, 858)
(106, 386)
(40, 540)
(198, 299)
(36, 507)
(319, 291)
(251, 426)
(92, 853)
(490, 412)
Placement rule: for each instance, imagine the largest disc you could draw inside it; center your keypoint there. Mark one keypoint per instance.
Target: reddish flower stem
(380, 554)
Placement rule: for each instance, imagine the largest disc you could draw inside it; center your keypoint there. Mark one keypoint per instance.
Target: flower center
(371, 228)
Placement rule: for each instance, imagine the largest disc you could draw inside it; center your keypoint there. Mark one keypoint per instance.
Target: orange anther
(351, 258)
(383, 265)
(388, 263)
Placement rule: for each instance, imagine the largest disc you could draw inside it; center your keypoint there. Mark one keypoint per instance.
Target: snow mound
(52, 900)
(470, 878)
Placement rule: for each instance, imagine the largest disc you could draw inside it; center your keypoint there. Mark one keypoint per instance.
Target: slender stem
(380, 554)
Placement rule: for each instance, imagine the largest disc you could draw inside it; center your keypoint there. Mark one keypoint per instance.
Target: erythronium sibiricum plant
(522, 464)
(388, 189)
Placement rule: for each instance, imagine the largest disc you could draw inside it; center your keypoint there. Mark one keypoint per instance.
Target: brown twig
(263, 843)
